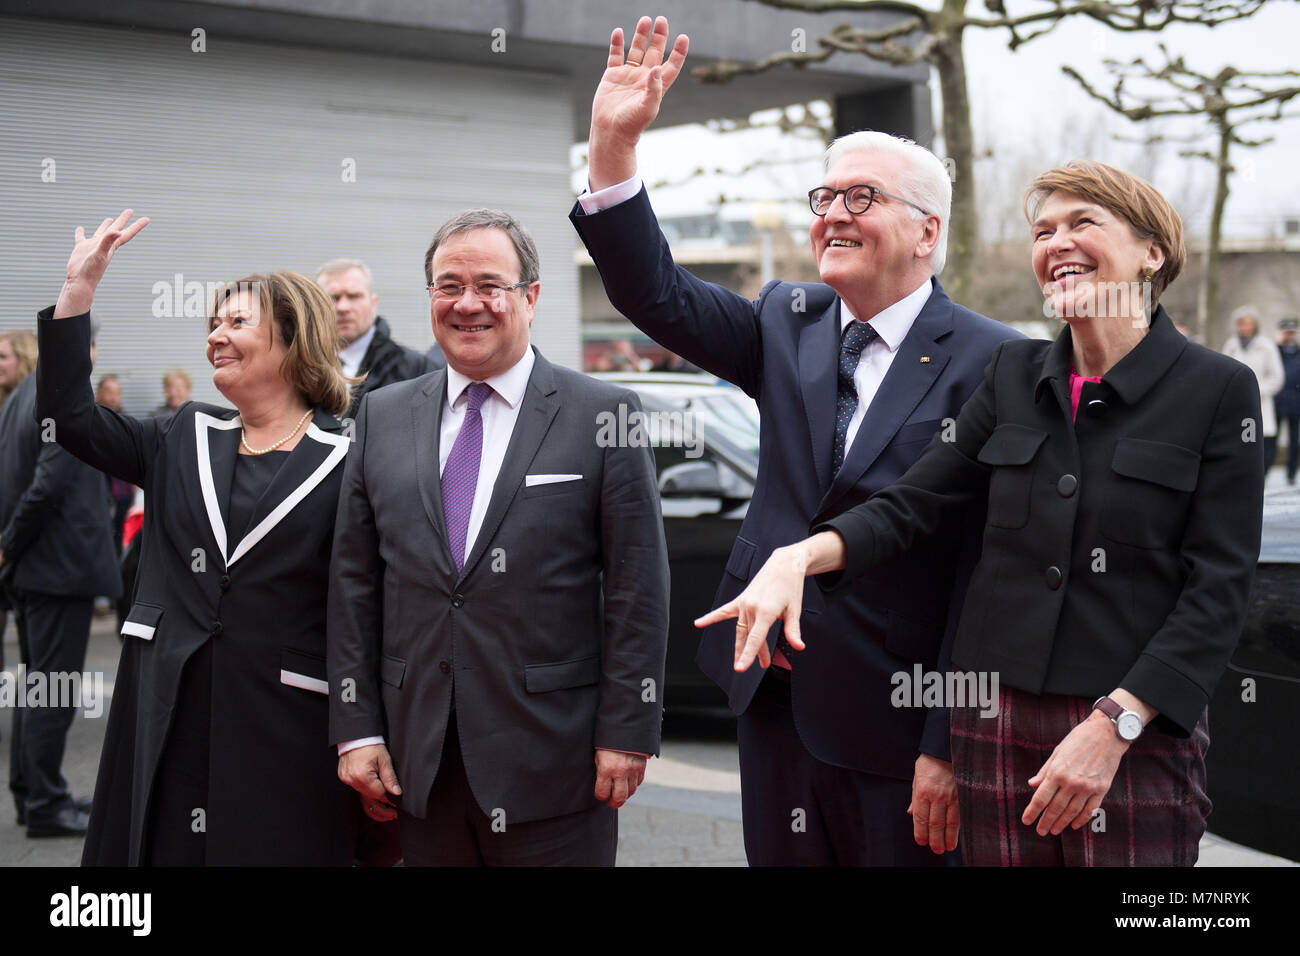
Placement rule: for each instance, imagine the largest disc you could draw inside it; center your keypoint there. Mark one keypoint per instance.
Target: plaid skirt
(1154, 814)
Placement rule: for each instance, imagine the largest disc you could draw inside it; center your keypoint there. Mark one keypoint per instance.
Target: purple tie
(460, 477)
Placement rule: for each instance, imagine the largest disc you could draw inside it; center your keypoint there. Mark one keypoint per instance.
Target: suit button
(216, 629)
(1097, 408)
(1054, 578)
(457, 600)
(1067, 485)
(225, 582)
(444, 667)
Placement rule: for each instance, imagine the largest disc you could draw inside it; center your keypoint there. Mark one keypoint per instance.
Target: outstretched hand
(628, 97)
(90, 257)
(775, 594)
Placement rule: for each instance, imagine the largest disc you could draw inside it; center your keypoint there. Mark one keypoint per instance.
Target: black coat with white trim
(274, 793)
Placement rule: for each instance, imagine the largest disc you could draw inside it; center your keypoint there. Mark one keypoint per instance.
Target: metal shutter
(236, 155)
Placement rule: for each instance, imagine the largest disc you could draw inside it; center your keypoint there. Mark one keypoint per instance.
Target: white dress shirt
(500, 412)
(892, 325)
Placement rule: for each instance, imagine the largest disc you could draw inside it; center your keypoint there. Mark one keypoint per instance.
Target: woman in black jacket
(1122, 472)
(217, 751)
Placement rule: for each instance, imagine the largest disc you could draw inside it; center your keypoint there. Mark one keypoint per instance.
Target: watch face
(1129, 725)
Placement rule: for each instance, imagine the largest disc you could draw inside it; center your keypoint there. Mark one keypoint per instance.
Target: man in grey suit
(499, 592)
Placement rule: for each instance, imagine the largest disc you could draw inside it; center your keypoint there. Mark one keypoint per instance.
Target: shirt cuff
(361, 742)
(634, 753)
(610, 196)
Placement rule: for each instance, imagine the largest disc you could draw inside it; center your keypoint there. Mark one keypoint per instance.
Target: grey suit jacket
(554, 634)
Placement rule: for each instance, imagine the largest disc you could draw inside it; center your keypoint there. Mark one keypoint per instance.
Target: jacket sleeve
(709, 326)
(1180, 665)
(940, 486)
(118, 444)
(635, 561)
(354, 622)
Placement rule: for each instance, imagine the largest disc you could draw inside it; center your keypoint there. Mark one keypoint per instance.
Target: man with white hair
(367, 346)
(853, 376)
(1250, 348)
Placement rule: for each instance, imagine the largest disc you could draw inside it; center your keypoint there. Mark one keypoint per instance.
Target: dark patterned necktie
(852, 342)
(460, 476)
(854, 338)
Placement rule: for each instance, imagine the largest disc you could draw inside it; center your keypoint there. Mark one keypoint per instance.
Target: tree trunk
(963, 228)
(1207, 316)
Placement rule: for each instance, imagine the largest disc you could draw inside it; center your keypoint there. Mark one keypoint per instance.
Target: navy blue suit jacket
(783, 350)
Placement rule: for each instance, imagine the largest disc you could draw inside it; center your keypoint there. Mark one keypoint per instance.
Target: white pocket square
(531, 480)
(304, 682)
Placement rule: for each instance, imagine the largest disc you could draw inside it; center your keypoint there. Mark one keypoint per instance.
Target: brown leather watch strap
(1108, 707)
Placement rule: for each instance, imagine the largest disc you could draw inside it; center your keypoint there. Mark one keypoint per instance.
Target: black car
(1254, 775)
(704, 434)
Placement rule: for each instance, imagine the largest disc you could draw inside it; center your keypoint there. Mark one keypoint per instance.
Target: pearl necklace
(254, 451)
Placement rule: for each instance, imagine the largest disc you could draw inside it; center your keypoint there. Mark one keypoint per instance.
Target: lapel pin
(925, 358)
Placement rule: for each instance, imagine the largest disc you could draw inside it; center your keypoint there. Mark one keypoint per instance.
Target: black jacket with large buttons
(1119, 549)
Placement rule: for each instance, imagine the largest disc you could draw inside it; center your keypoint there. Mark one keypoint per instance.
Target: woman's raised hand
(90, 257)
(775, 594)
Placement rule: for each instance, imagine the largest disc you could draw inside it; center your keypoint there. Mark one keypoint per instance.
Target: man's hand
(90, 257)
(1076, 777)
(935, 818)
(628, 97)
(369, 771)
(617, 776)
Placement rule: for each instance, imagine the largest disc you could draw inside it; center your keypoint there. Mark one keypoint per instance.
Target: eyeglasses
(486, 291)
(857, 199)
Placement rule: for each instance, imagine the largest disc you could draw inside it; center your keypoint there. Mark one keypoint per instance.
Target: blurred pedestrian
(1263, 358)
(176, 385)
(17, 361)
(56, 557)
(109, 392)
(1287, 401)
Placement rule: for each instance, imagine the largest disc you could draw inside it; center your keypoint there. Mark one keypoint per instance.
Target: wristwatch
(1128, 723)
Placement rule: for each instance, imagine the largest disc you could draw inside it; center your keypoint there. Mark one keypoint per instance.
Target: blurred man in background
(56, 557)
(368, 346)
(176, 392)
